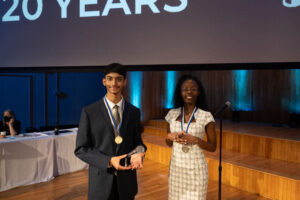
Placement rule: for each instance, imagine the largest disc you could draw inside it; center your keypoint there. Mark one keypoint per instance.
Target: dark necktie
(116, 115)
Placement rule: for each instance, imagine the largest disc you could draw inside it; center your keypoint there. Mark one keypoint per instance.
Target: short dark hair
(201, 100)
(115, 68)
(11, 112)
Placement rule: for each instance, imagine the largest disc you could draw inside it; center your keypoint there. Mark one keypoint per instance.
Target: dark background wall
(268, 95)
(33, 96)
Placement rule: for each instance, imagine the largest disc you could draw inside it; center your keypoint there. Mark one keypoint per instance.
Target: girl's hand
(172, 136)
(185, 138)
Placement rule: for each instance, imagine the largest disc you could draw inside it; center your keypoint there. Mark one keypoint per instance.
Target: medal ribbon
(190, 120)
(113, 119)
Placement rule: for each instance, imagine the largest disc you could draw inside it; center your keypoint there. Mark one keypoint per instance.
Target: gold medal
(185, 149)
(118, 139)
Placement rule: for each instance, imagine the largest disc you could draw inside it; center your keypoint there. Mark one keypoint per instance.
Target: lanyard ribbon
(190, 120)
(112, 117)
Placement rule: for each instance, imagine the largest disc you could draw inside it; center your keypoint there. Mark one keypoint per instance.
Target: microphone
(227, 104)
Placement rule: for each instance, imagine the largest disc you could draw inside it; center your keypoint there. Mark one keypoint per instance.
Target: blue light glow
(294, 103)
(136, 88)
(170, 88)
(241, 100)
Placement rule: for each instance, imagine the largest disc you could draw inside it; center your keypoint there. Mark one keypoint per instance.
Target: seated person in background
(9, 124)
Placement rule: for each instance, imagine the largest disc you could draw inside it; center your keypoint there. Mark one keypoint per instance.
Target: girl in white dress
(188, 172)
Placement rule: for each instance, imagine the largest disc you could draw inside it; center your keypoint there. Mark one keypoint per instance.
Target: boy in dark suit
(109, 132)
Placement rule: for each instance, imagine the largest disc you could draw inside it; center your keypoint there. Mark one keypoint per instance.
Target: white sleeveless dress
(188, 172)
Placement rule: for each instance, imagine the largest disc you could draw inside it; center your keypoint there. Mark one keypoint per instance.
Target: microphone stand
(58, 95)
(220, 158)
(219, 113)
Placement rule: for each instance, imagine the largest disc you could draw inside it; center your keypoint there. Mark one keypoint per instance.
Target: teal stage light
(292, 103)
(241, 99)
(170, 88)
(136, 88)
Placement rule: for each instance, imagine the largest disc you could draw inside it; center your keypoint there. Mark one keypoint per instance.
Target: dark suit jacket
(16, 125)
(95, 145)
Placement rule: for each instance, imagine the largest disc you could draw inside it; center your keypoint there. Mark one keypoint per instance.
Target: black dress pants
(114, 193)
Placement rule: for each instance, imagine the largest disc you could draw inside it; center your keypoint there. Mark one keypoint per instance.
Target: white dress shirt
(111, 106)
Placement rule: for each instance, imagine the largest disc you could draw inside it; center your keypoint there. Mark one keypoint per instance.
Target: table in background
(37, 157)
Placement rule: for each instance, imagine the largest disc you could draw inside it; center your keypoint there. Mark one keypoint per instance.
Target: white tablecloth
(37, 158)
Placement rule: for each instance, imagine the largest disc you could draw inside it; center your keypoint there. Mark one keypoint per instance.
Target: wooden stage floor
(153, 185)
(261, 129)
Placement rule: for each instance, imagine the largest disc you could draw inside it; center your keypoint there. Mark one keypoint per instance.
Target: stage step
(264, 141)
(268, 177)
(162, 132)
(159, 123)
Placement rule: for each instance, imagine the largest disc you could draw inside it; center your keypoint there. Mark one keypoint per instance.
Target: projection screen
(46, 33)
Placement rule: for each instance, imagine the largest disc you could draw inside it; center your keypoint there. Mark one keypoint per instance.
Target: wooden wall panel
(266, 89)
